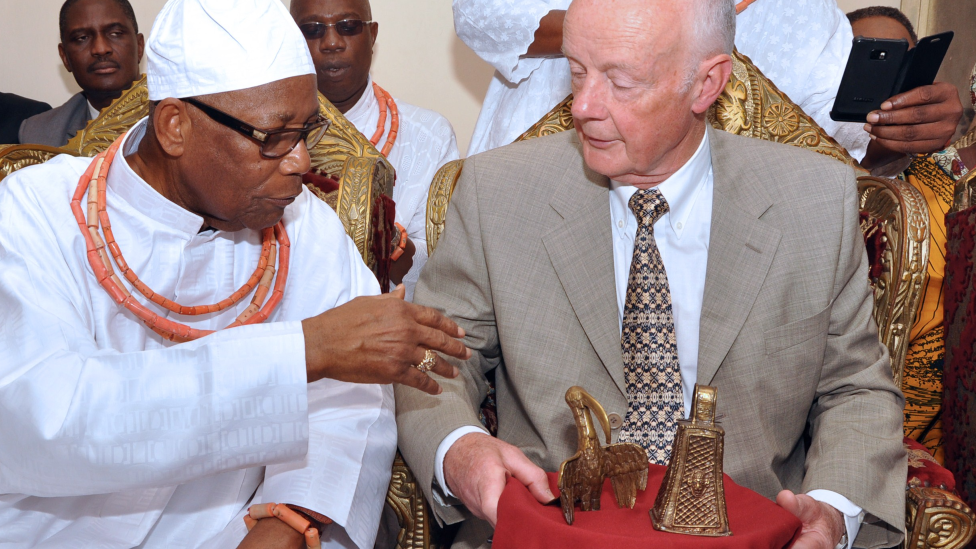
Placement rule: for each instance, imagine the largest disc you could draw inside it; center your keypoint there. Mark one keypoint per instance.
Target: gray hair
(713, 32)
(714, 27)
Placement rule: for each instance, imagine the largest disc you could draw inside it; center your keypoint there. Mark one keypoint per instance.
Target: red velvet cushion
(523, 523)
(323, 182)
(923, 470)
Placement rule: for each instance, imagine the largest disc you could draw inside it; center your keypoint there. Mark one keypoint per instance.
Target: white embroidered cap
(199, 47)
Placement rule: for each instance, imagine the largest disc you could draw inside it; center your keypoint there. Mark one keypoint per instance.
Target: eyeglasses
(346, 27)
(274, 143)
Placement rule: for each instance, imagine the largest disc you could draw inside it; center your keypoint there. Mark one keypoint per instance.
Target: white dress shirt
(424, 143)
(801, 45)
(682, 236)
(112, 437)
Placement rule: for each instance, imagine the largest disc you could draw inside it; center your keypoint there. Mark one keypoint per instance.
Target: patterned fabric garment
(648, 340)
(934, 176)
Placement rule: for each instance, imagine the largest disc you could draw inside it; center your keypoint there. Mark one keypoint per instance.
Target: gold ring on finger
(427, 364)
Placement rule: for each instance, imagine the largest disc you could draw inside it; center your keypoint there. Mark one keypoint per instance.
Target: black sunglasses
(274, 143)
(346, 27)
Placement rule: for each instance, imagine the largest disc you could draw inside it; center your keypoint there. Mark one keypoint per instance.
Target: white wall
(418, 59)
(848, 6)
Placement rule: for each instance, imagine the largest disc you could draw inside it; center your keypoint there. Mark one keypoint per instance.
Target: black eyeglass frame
(260, 136)
(326, 26)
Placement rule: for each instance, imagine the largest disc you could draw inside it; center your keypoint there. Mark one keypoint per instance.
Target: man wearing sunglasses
(187, 332)
(340, 36)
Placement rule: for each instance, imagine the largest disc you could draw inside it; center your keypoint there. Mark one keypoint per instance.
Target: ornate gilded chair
(362, 177)
(894, 219)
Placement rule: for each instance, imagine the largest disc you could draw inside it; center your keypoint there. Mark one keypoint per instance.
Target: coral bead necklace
(93, 181)
(386, 103)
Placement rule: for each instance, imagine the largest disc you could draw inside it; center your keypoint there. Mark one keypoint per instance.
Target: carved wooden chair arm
(937, 518)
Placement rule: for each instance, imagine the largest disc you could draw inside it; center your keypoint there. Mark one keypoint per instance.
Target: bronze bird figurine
(581, 476)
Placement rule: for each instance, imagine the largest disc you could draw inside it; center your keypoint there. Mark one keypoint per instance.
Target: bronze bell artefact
(692, 496)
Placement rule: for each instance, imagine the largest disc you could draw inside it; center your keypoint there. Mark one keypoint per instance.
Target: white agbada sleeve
(803, 48)
(79, 420)
(501, 31)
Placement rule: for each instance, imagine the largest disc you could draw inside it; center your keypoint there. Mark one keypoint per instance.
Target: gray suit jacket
(525, 266)
(56, 126)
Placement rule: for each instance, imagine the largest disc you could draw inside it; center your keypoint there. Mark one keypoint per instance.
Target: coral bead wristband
(300, 522)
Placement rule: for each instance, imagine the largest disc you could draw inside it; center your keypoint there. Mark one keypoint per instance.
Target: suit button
(615, 421)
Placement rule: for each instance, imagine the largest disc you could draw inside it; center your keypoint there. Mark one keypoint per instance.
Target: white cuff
(853, 515)
(442, 449)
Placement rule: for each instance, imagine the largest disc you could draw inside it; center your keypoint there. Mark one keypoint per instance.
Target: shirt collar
(363, 108)
(681, 190)
(125, 184)
(92, 111)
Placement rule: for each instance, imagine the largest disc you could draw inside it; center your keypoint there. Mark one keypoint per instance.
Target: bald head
(644, 72)
(695, 29)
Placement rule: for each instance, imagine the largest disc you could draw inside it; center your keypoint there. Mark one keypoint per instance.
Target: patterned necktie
(650, 352)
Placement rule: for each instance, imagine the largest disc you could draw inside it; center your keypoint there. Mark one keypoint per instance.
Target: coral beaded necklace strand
(93, 181)
(386, 103)
(741, 6)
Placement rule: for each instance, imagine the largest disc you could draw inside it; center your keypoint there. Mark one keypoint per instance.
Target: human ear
(717, 70)
(171, 124)
(141, 41)
(64, 58)
(376, 31)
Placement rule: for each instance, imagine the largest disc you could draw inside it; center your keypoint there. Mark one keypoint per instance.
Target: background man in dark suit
(101, 46)
(14, 109)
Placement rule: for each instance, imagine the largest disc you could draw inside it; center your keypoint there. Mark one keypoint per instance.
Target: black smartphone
(879, 69)
(872, 71)
(922, 62)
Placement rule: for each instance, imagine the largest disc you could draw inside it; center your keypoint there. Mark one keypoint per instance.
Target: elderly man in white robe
(801, 46)
(340, 35)
(130, 420)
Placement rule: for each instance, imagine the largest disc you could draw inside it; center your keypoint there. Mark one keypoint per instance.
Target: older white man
(643, 253)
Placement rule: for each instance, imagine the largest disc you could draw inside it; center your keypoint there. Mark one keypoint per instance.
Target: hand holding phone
(879, 69)
(919, 121)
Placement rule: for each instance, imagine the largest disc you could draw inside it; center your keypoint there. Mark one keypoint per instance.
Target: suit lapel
(580, 248)
(741, 249)
(77, 118)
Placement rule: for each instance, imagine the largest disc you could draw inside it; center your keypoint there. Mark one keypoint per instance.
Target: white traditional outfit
(801, 45)
(424, 143)
(112, 436)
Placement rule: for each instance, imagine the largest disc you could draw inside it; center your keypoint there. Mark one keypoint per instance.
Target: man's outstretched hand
(380, 339)
(920, 121)
(823, 526)
(477, 467)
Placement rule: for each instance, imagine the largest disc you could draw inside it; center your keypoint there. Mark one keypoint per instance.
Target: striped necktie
(650, 352)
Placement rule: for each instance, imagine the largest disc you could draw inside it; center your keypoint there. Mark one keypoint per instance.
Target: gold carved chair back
(895, 222)
(363, 173)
